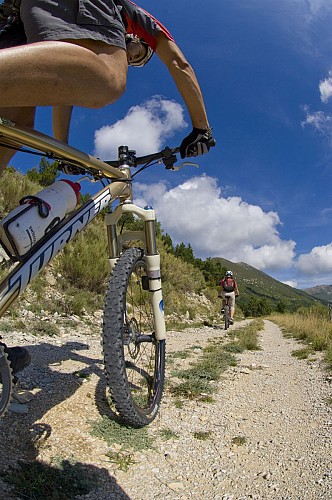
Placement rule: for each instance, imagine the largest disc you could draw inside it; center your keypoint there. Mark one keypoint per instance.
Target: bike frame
(54, 241)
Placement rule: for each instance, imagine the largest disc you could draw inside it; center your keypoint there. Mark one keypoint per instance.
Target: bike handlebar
(167, 155)
(129, 158)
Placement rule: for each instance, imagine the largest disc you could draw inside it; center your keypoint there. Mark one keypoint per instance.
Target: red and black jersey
(140, 23)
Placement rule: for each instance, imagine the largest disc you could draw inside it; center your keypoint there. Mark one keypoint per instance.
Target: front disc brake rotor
(133, 346)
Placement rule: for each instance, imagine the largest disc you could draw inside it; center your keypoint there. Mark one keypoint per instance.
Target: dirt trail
(269, 427)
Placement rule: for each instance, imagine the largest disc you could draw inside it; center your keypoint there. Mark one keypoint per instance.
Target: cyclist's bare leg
(85, 73)
(24, 116)
(105, 65)
(61, 122)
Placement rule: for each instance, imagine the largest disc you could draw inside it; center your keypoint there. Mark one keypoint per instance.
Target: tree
(281, 306)
(46, 174)
(185, 253)
(168, 243)
(213, 271)
(257, 306)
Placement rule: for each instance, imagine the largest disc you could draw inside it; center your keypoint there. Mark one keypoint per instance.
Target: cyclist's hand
(197, 142)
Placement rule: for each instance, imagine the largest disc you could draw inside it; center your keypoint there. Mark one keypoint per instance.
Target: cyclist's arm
(61, 116)
(184, 78)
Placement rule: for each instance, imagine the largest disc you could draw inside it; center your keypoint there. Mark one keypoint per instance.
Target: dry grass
(313, 330)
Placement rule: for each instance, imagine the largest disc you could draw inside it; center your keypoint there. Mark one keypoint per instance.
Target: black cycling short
(44, 20)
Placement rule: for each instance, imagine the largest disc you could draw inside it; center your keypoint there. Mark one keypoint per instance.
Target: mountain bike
(134, 330)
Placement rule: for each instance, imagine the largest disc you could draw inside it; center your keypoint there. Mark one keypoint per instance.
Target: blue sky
(262, 196)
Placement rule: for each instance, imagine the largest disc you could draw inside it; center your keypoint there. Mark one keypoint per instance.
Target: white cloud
(317, 6)
(195, 212)
(298, 18)
(325, 87)
(293, 284)
(317, 262)
(308, 10)
(321, 121)
(144, 128)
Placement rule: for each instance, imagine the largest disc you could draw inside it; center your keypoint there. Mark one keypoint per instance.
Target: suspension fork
(152, 257)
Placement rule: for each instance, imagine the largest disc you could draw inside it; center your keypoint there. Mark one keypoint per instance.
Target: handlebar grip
(212, 142)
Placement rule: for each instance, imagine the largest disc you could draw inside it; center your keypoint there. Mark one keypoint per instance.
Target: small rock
(23, 396)
(176, 486)
(18, 408)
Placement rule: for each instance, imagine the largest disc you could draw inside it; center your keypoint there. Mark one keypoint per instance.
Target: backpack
(228, 285)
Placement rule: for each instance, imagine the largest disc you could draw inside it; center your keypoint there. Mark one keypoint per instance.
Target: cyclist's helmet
(229, 274)
(138, 51)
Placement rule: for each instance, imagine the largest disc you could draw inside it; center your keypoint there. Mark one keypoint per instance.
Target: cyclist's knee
(110, 91)
(112, 78)
(110, 88)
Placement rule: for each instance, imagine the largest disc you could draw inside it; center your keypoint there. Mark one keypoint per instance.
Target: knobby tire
(134, 359)
(6, 382)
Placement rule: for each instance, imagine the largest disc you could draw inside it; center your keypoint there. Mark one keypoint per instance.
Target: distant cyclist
(229, 289)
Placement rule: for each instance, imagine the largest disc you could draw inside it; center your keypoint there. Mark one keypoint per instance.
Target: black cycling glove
(197, 142)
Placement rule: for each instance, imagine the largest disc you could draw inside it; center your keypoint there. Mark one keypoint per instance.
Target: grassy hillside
(189, 284)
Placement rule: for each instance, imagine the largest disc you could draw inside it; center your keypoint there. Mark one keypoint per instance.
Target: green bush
(13, 186)
(84, 262)
(182, 276)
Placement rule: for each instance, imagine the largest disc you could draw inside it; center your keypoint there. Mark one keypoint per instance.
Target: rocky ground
(268, 432)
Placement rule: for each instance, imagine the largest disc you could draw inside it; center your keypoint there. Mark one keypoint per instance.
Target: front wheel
(134, 358)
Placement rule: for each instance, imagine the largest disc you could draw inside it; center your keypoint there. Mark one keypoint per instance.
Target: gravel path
(269, 427)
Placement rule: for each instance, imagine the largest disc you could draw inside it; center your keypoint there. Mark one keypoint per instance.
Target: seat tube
(154, 276)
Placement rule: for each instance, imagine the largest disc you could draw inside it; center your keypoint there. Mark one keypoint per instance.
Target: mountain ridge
(322, 292)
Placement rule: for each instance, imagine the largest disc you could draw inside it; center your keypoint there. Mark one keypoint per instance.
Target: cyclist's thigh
(110, 54)
(96, 26)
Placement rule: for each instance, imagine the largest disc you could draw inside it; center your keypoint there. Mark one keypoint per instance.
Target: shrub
(13, 186)
(84, 261)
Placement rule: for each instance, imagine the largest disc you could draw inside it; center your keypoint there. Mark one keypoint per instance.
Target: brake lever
(87, 178)
(184, 164)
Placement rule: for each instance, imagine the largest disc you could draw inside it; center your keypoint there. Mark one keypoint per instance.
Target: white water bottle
(25, 225)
